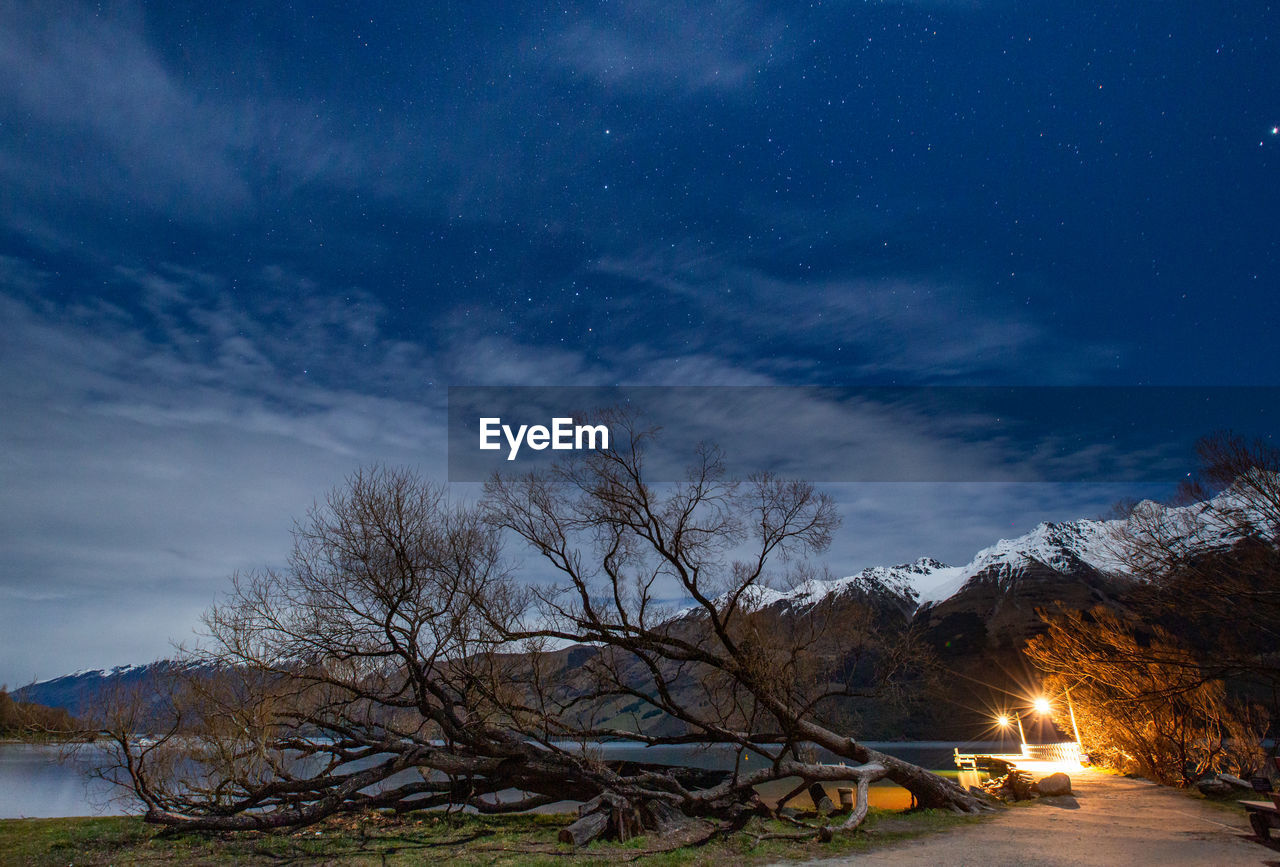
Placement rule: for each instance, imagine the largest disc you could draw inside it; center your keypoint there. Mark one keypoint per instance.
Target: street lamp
(1042, 706)
(1003, 721)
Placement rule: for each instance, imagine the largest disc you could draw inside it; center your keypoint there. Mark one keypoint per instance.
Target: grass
(464, 840)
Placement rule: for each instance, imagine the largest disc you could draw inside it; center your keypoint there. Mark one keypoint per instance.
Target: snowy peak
(1059, 545)
(1066, 547)
(899, 580)
(82, 691)
(92, 674)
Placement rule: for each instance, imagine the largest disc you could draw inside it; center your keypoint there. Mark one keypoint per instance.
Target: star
(1275, 130)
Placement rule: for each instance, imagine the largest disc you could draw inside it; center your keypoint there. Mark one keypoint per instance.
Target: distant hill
(82, 692)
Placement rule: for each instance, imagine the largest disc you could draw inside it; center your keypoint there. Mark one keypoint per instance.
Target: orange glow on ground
(1044, 769)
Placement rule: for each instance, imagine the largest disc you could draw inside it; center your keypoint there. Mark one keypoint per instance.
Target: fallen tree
(620, 545)
(395, 664)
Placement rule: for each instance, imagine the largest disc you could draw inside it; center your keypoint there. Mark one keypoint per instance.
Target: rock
(1054, 784)
(1235, 781)
(1212, 787)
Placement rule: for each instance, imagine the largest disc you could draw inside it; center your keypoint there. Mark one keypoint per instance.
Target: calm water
(35, 782)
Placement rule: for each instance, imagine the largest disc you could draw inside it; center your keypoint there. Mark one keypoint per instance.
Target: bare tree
(729, 670)
(391, 664)
(1210, 569)
(1141, 700)
(326, 681)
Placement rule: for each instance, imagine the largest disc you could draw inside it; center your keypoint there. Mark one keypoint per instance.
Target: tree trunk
(821, 801)
(619, 818)
(587, 828)
(664, 818)
(860, 808)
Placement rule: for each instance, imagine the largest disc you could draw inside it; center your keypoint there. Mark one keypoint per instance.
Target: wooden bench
(1263, 816)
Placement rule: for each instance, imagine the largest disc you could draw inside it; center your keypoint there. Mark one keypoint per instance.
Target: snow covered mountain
(1068, 549)
(1061, 547)
(83, 691)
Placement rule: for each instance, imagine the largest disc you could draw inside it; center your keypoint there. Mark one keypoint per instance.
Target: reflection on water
(35, 783)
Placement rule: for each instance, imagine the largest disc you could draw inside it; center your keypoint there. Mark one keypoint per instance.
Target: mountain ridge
(1063, 546)
(986, 606)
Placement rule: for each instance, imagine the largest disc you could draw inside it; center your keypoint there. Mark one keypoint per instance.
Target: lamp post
(1071, 710)
(1043, 709)
(1040, 705)
(1059, 753)
(1003, 722)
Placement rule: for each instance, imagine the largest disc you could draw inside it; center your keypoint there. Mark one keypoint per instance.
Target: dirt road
(1108, 821)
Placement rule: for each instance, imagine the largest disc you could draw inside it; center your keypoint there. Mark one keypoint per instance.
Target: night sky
(244, 248)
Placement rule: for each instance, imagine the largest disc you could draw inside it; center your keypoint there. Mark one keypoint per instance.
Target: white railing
(1067, 752)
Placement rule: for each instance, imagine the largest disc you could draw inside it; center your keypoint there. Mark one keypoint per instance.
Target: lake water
(36, 782)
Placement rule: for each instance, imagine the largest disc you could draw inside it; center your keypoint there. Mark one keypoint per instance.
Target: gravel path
(1108, 821)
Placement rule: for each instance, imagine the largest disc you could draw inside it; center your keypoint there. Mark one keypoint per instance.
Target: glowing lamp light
(1003, 721)
(1041, 705)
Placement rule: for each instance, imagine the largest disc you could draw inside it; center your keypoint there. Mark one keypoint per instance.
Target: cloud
(883, 328)
(151, 453)
(648, 45)
(95, 87)
(108, 121)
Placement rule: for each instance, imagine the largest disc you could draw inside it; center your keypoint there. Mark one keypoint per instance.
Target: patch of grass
(36, 841)
(367, 839)
(1227, 803)
(376, 839)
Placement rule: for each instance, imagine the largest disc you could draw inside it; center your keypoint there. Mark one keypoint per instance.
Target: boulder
(1212, 787)
(1232, 780)
(1054, 784)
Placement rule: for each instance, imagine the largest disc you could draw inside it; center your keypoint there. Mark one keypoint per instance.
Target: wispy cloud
(906, 329)
(150, 453)
(106, 120)
(665, 45)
